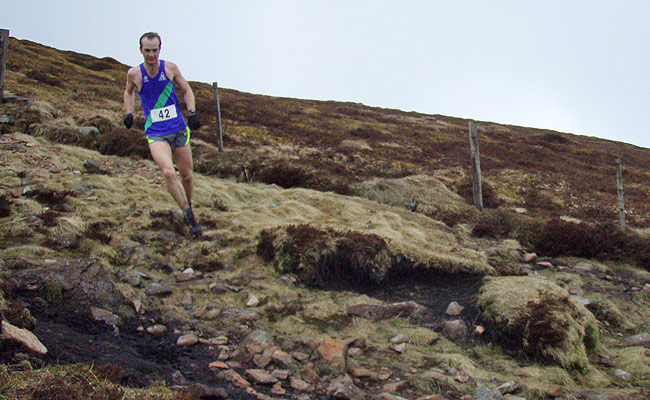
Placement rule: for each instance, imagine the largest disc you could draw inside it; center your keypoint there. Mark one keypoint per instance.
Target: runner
(165, 127)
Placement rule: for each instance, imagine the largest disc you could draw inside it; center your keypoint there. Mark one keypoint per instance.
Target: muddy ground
(134, 358)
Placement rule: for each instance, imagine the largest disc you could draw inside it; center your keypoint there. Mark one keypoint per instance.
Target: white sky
(573, 66)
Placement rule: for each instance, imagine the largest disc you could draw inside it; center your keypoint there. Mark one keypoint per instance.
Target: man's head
(151, 36)
(150, 47)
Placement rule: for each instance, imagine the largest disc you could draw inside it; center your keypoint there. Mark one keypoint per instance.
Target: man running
(165, 127)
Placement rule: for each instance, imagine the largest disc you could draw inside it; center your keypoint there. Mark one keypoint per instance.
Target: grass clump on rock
(322, 257)
(539, 318)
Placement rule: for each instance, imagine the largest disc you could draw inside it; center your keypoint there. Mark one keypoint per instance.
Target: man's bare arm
(183, 85)
(129, 92)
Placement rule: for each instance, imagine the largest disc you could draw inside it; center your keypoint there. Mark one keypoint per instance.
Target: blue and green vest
(160, 104)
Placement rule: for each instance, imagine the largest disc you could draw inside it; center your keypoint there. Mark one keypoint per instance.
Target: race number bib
(163, 114)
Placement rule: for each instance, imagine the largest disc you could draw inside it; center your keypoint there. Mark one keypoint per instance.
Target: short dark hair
(151, 35)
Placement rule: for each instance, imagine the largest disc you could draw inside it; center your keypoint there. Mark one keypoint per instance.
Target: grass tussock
(321, 256)
(537, 317)
(76, 382)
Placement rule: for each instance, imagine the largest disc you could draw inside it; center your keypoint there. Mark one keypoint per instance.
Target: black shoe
(195, 228)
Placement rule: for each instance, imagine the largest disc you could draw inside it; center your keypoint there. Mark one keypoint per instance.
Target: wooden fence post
(619, 190)
(215, 86)
(476, 165)
(4, 46)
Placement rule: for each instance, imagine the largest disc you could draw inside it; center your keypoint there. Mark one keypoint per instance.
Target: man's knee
(187, 177)
(169, 173)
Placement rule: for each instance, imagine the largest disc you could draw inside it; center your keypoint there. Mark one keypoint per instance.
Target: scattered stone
(399, 339)
(384, 375)
(379, 312)
(282, 358)
(334, 352)
(218, 365)
(364, 373)
(23, 336)
(399, 348)
(388, 396)
(454, 309)
(584, 266)
(642, 339)
(529, 257)
(621, 375)
(512, 397)
(433, 397)
(545, 264)
(456, 330)
(479, 329)
(157, 289)
(281, 374)
(646, 287)
(483, 393)
(258, 341)
(224, 353)
(393, 387)
(94, 168)
(605, 360)
(354, 352)
(278, 390)
(182, 277)
(216, 341)
(138, 306)
(462, 377)
(87, 130)
(300, 385)
(243, 316)
(234, 378)
(205, 392)
(217, 288)
(253, 301)
(262, 359)
(157, 329)
(310, 375)
(300, 356)
(509, 388)
(344, 388)
(67, 240)
(261, 376)
(434, 375)
(108, 317)
(187, 340)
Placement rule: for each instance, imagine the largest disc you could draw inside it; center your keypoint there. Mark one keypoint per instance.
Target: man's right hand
(128, 120)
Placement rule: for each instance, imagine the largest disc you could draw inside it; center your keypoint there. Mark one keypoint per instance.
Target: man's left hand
(193, 121)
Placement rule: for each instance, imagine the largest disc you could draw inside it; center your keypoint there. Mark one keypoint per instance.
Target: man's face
(150, 49)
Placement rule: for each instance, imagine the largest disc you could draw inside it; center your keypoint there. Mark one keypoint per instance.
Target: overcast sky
(573, 66)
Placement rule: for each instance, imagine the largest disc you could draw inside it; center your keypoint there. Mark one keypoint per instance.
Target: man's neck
(152, 69)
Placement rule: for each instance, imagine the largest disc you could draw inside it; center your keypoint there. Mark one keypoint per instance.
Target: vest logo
(145, 79)
(162, 77)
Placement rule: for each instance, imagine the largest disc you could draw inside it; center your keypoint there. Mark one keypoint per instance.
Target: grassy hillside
(311, 234)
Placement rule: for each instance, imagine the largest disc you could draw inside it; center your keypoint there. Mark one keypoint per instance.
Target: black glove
(193, 121)
(128, 120)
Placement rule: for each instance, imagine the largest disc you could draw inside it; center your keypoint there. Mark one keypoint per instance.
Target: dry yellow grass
(541, 316)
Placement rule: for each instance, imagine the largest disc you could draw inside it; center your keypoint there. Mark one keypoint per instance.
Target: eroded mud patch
(434, 290)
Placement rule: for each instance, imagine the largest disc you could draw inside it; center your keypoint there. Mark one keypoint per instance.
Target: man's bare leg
(162, 155)
(183, 160)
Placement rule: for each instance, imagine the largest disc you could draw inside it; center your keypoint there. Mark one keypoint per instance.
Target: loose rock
(23, 336)
(188, 340)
